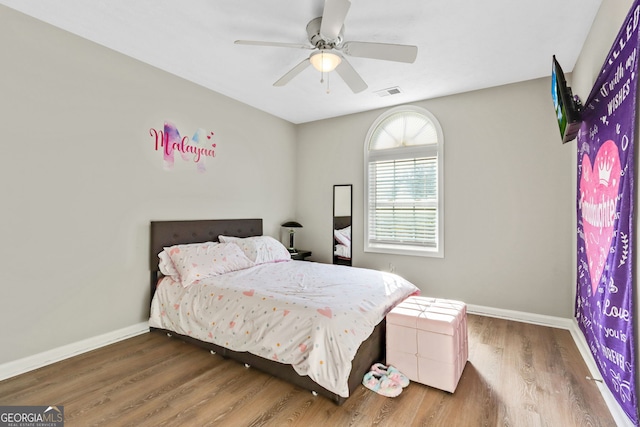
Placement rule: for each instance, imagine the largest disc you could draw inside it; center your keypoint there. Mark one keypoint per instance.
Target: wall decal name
(197, 148)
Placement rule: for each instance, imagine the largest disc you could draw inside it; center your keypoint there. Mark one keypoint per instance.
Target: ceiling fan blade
(385, 51)
(293, 72)
(273, 44)
(350, 76)
(335, 12)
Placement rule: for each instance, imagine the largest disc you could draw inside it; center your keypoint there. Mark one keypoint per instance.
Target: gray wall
(507, 199)
(81, 180)
(509, 190)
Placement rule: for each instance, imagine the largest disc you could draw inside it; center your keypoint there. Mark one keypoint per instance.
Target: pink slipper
(392, 373)
(381, 384)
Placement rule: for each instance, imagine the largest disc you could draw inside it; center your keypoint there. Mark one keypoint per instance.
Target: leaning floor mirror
(342, 206)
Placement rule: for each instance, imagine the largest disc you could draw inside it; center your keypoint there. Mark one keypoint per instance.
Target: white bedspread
(313, 316)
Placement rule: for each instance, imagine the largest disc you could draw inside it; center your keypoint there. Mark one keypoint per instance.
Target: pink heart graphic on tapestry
(326, 312)
(598, 194)
(249, 293)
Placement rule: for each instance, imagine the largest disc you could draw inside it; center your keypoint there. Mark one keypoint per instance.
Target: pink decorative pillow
(260, 249)
(198, 261)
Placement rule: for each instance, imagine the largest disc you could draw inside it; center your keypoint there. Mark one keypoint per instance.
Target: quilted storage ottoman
(427, 340)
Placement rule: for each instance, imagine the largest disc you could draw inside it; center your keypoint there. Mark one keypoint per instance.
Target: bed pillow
(260, 249)
(197, 261)
(166, 266)
(342, 251)
(343, 236)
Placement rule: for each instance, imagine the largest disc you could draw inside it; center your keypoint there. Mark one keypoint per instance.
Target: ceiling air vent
(389, 91)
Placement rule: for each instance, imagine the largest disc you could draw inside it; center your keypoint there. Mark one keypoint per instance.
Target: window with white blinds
(403, 207)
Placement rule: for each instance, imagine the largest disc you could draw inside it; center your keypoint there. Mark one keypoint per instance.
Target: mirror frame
(344, 208)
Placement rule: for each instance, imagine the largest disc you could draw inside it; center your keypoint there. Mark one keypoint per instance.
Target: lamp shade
(324, 61)
(292, 224)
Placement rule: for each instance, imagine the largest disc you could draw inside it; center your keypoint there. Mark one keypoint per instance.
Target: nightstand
(300, 254)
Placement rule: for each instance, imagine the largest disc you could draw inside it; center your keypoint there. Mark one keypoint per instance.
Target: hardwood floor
(517, 375)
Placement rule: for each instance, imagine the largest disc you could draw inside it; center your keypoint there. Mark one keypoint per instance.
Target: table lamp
(291, 225)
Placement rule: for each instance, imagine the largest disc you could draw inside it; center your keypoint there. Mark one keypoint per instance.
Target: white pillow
(260, 249)
(343, 236)
(343, 251)
(166, 266)
(197, 261)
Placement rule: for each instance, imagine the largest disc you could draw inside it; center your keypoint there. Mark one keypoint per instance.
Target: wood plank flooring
(517, 375)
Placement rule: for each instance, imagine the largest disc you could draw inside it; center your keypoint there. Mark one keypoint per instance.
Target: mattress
(312, 316)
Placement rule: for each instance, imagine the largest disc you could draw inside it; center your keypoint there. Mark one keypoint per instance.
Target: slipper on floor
(381, 384)
(392, 373)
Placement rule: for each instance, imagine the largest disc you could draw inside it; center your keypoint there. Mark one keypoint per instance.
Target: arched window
(403, 158)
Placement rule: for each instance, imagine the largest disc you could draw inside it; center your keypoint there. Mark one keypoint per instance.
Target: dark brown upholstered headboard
(169, 233)
(340, 222)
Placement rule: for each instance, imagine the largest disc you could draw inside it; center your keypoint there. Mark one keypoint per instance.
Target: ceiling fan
(326, 40)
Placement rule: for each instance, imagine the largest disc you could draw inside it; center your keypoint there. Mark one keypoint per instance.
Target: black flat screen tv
(567, 108)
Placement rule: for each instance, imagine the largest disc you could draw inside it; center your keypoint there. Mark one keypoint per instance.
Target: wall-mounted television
(567, 108)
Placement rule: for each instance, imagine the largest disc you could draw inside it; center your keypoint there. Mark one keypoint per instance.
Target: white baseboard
(520, 316)
(20, 366)
(571, 325)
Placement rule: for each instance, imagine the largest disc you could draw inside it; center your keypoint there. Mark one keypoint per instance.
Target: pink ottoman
(427, 341)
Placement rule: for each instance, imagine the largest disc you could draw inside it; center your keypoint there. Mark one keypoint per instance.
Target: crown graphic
(604, 170)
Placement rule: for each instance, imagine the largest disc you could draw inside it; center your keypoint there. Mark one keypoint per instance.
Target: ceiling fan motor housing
(316, 39)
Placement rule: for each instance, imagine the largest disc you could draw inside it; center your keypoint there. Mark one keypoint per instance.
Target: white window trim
(437, 252)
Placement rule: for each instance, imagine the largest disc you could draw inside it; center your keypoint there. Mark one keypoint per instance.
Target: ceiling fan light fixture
(324, 61)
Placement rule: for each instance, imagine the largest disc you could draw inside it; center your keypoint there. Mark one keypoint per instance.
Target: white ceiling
(463, 45)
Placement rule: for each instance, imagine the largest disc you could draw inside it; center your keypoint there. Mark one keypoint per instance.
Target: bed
(168, 234)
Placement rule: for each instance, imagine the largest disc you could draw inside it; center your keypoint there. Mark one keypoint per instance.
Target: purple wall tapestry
(605, 204)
